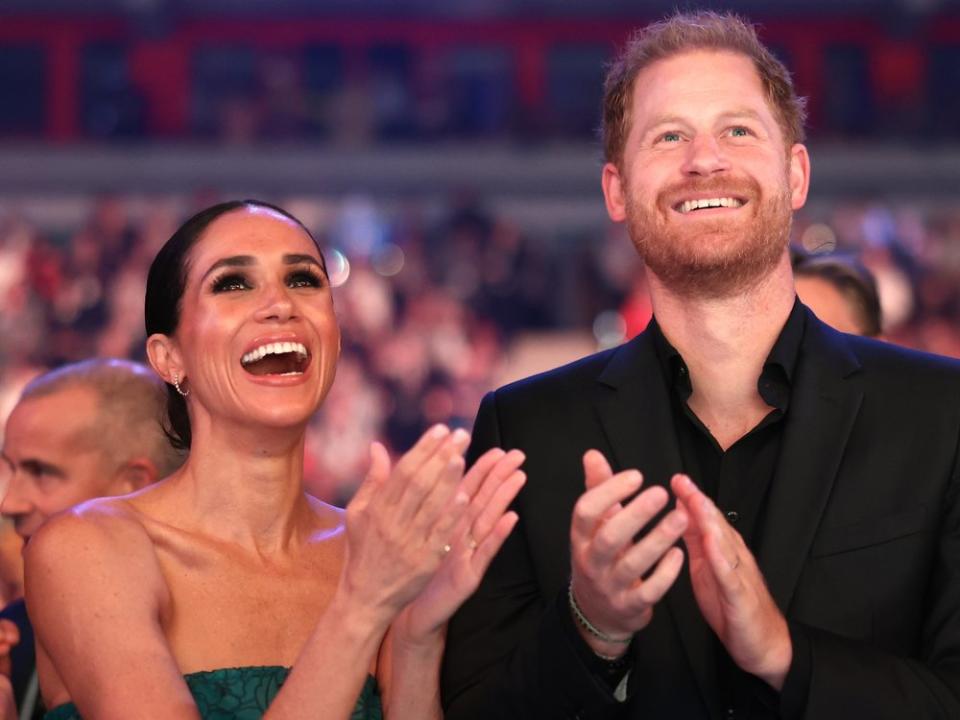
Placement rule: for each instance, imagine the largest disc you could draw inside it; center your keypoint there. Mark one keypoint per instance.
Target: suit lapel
(634, 407)
(634, 410)
(823, 407)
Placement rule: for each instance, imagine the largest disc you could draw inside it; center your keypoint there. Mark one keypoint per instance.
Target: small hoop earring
(176, 384)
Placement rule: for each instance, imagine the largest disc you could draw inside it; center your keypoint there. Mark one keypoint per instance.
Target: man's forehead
(53, 418)
(721, 76)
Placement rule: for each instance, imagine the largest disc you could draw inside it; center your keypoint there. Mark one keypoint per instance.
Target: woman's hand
(491, 484)
(401, 520)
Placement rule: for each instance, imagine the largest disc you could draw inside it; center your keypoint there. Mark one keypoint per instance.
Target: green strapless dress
(243, 694)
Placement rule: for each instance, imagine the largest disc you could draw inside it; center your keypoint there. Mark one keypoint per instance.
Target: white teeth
(688, 205)
(277, 348)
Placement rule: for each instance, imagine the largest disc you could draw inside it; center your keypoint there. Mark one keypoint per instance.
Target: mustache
(744, 189)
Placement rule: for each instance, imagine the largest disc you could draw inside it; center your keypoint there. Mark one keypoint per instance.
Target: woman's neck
(245, 484)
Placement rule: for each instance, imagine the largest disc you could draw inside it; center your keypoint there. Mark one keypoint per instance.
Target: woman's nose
(277, 305)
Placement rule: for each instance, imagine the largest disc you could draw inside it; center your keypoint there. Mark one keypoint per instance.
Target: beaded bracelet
(590, 627)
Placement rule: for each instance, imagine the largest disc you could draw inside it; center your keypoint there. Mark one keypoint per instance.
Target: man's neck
(724, 343)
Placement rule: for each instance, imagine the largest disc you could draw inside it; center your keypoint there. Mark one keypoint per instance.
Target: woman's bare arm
(94, 592)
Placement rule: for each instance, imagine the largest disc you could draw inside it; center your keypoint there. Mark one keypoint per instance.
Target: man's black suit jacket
(860, 545)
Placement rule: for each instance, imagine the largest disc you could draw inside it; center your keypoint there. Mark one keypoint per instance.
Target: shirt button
(732, 517)
(730, 713)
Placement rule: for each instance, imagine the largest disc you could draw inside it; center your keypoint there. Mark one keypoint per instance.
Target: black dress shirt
(738, 480)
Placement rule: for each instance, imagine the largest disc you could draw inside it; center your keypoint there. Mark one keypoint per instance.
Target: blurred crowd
(433, 305)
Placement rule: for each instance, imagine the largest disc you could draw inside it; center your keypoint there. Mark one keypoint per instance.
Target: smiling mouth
(688, 206)
(279, 358)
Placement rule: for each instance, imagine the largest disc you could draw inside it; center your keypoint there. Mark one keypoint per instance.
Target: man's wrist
(781, 657)
(607, 646)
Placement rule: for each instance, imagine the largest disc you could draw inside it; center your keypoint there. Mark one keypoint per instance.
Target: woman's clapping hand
(401, 520)
(491, 484)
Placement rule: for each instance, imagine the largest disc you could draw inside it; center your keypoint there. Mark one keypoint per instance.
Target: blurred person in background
(840, 291)
(84, 430)
(818, 573)
(225, 590)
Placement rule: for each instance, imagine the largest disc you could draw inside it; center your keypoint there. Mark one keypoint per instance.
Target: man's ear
(164, 357)
(133, 475)
(614, 192)
(799, 175)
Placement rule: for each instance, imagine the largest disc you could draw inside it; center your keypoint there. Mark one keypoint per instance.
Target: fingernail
(461, 436)
(438, 431)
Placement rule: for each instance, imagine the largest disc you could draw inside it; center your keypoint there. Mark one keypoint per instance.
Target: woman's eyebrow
(233, 261)
(297, 259)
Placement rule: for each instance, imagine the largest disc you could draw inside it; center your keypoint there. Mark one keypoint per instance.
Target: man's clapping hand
(731, 591)
(616, 581)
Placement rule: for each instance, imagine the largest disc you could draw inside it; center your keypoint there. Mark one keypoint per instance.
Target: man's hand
(608, 567)
(730, 589)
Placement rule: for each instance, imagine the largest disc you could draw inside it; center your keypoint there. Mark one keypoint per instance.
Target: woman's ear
(164, 356)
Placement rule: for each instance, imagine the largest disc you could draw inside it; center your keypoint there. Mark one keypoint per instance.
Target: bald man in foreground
(85, 430)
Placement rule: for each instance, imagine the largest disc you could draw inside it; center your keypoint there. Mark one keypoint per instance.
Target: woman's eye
(229, 283)
(304, 278)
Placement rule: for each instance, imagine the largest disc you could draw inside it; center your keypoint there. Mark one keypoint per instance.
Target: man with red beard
(792, 546)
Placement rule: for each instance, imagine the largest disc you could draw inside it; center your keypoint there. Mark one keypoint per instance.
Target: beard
(716, 257)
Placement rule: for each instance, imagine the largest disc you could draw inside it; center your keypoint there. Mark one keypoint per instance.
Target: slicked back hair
(167, 281)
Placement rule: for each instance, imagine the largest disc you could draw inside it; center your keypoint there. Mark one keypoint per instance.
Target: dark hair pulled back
(166, 283)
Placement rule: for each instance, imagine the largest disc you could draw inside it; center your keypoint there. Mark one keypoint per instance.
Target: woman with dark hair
(225, 591)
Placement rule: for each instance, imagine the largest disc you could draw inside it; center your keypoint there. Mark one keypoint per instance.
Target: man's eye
(739, 131)
(229, 283)
(670, 137)
(303, 278)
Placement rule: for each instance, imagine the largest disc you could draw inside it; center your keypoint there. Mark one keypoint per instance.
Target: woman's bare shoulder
(110, 519)
(102, 538)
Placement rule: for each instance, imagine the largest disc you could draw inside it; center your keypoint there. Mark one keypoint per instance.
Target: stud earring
(176, 384)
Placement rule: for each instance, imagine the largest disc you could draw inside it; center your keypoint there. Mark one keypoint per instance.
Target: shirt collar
(776, 378)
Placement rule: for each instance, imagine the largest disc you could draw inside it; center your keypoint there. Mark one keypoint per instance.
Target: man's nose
(16, 501)
(705, 156)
